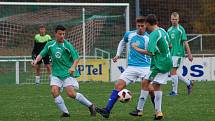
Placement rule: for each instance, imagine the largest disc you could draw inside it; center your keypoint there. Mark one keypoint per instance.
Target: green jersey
(159, 47)
(177, 38)
(63, 56)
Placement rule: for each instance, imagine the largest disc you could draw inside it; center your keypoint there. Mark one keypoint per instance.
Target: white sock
(187, 82)
(175, 83)
(158, 100)
(60, 103)
(142, 99)
(83, 100)
(37, 80)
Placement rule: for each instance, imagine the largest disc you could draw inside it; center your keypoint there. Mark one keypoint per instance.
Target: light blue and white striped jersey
(134, 57)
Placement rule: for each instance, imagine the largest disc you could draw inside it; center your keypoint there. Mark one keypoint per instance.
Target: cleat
(103, 112)
(158, 116)
(136, 113)
(190, 87)
(92, 110)
(65, 115)
(172, 93)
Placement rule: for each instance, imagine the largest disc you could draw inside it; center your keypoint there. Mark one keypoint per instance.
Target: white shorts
(160, 78)
(70, 81)
(177, 61)
(132, 73)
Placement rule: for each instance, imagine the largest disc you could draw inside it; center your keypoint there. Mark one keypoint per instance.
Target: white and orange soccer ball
(124, 96)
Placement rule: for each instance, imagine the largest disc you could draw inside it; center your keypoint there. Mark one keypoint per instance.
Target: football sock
(37, 80)
(187, 82)
(112, 100)
(158, 100)
(60, 103)
(142, 99)
(83, 100)
(174, 83)
(153, 99)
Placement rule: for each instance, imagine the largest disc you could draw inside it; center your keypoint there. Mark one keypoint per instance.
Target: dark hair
(60, 27)
(152, 19)
(140, 19)
(42, 26)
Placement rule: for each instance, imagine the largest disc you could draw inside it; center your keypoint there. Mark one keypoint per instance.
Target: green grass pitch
(35, 103)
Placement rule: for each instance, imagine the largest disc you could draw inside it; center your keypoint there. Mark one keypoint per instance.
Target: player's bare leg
(80, 98)
(37, 77)
(48, 67)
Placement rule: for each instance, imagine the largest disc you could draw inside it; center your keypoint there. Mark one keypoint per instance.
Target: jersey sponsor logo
(58, 55)
(172, 36)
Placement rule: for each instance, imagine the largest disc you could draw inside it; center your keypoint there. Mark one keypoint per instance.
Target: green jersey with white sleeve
(177, 38)
(159, 47)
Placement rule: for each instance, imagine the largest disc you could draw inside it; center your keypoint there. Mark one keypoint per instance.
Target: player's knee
(156, 87)
(145, 85)
(71, 94)
(55, 92)
(151, 89)
(120, 85)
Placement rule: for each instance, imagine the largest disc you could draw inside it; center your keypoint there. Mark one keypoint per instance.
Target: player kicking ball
(138, 65)
(64, 62)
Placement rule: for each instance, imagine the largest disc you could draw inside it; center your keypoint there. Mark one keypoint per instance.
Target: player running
(64, 62)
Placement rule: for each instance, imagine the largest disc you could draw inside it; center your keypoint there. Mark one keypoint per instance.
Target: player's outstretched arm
(120, 48)
(190, 57)
(134, 45)
(34, 62)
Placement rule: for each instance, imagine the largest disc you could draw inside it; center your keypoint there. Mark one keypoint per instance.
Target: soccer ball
(124, 96)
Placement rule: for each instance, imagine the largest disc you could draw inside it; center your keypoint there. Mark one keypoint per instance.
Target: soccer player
(178, 40)
(40, 41)
(64, 62)
(158, 48)
(138, 64)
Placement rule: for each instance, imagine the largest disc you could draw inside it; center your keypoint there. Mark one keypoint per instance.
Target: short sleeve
(45, 50)
(73, 51)
(184, 35)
